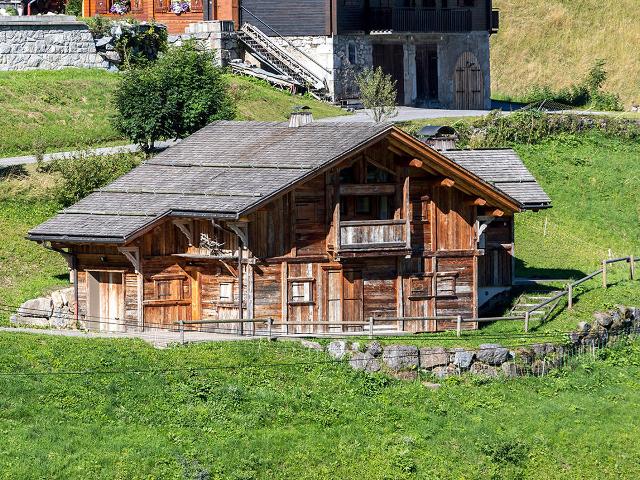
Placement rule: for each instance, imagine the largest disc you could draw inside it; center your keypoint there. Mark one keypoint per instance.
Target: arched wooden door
(469, 83)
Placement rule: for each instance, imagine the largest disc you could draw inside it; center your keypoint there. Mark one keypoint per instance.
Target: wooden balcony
(422, 20)
(363, 235)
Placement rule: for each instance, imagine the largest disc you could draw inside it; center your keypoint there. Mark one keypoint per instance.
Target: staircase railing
(286, 40)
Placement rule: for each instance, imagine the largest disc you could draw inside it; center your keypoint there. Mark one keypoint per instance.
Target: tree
(378, 93)
(171, 98)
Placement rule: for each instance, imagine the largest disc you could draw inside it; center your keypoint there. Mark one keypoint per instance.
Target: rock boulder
(401, 357)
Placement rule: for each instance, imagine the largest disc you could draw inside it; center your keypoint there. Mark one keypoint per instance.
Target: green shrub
(587, 93)
(11, 11)
(82, 174)
(171, 98)
(99, 26)
(73, 7)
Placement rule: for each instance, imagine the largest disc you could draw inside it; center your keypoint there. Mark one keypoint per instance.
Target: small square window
(301, 291)
(163, 289)
(226, 292)
(446, 286)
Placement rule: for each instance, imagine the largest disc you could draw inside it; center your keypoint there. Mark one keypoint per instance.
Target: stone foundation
(47, 43)
(488, 360)
(218, 36)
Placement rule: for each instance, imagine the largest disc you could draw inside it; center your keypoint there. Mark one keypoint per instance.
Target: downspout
(72, 260)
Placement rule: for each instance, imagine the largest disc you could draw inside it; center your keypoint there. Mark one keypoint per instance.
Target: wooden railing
(365, 234)
(368, 326)
(420, 20)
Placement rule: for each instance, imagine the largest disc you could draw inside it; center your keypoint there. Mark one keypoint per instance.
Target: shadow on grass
(13, 171)
(524, 271)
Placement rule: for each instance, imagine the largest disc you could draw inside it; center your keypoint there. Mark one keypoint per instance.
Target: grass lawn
(71, 108)
(314, 420)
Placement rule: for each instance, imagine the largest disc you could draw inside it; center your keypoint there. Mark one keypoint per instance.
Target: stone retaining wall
(489, 360)
(47, 43)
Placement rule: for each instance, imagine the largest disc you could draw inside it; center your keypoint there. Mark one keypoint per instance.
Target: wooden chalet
(308, 225)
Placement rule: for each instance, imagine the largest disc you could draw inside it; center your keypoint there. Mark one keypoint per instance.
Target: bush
(587, 93)
(99, 26)
(85, 173)
(533, 126)
(172, 98)
(73, 7)
(378, 93)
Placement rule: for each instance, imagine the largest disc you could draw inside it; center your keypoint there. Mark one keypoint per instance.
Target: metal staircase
(263, 47)
(528, 302)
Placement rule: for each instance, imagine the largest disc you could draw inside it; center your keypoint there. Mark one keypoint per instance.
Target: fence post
(182, 332)
(526, 322)
(604, 274)
(459, 325)
(632, 267)
(270, 327)
(570, 288)
(370, 327)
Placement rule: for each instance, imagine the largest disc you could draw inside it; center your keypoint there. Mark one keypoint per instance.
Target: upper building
(437, 51)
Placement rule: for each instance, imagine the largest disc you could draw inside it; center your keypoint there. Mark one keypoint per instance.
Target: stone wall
(489, 360)
(47, 43)
(218, 36)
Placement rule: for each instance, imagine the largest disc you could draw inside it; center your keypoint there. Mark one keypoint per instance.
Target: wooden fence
(368, 326)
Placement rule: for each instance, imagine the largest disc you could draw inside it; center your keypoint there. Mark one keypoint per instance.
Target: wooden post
(270, 327)
(526, 322)
(604, 274)
(632, 267)
(570, 288)
(370, 327)
(459, 325)
(182, 332)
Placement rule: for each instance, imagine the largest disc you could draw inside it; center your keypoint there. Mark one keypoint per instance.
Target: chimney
(300, 116)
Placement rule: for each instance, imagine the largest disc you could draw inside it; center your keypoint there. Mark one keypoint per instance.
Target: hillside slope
(71, 108)
(555, 42)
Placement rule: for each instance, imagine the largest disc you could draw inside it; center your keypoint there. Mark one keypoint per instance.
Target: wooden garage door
(469, 83)
(105, 298)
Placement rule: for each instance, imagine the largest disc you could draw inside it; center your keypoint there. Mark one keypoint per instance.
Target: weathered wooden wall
(294, 269)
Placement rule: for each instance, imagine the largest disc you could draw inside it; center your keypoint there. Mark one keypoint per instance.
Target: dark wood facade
(381, 234)
(318, 17)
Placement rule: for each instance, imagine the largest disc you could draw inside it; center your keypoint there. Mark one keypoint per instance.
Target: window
(348, 175)
(446, 285)
(226, 292)
(300, 291)
(377, 175)
(352, 53)
(421, 287)
(171, 287)
(363, 205)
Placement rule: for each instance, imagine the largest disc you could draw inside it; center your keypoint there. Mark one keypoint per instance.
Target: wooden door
(390, 57)
(426, 72)
(352, 298)
(469, 83)
(334, 299)
(105, 299)
(419, 293)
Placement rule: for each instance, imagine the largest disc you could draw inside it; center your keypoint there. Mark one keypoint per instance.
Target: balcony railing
(373, 234)
(420, 20)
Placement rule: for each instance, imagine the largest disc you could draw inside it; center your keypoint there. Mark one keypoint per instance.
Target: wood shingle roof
(229, 168)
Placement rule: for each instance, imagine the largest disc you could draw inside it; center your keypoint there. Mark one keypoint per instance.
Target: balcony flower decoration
(120, 7)
(180, 7)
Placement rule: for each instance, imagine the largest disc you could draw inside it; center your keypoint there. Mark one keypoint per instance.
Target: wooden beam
(447, 182)
(496, 213)
(379, 165)
(477, 202)
(416, 163)
(368, 189)
(185, 227)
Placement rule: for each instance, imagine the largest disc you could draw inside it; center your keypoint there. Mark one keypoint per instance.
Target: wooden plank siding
(295, 268)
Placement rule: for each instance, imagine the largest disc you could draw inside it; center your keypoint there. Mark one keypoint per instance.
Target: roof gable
(230, 168)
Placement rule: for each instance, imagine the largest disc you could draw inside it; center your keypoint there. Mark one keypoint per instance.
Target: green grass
(316, 420)
(53, 110)
(555, 42)
(45, 111)
(257, 100)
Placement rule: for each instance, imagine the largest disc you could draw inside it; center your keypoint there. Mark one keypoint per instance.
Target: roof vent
(300, 116)
(438, 137)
